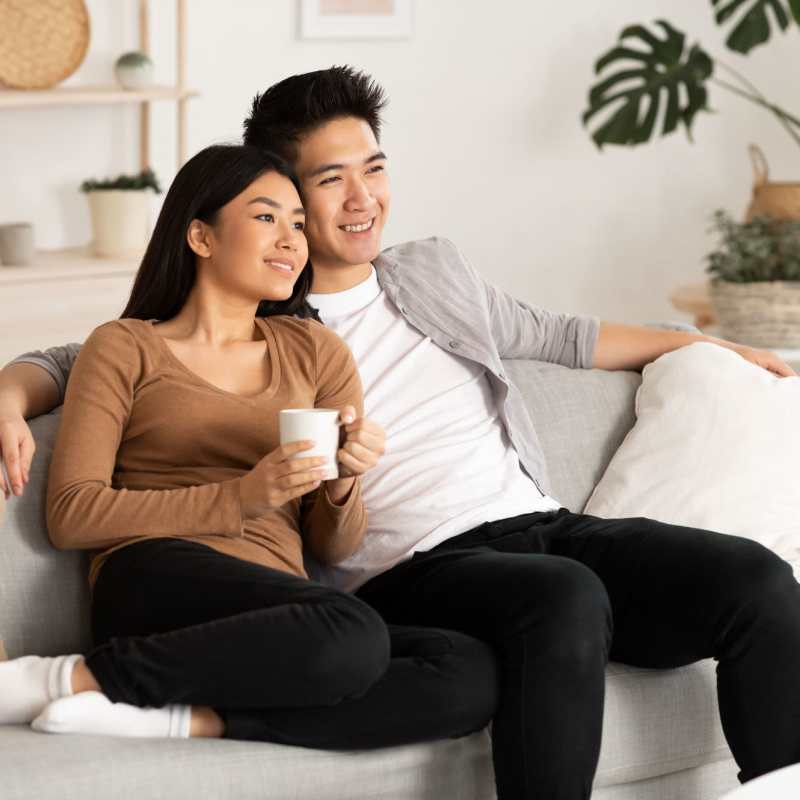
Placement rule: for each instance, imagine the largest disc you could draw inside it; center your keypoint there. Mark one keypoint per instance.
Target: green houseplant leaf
(752, 27)
(659, 70)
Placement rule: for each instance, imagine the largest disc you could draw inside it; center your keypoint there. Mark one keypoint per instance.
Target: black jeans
(279, 658)
(557, 594)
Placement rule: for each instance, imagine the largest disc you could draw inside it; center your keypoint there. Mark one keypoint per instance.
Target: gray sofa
(662, 737)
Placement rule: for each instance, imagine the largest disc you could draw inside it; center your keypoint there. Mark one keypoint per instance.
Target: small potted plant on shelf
(120, 211)
(755, 290)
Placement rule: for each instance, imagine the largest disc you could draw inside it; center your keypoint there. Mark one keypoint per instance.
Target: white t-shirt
(448, 465)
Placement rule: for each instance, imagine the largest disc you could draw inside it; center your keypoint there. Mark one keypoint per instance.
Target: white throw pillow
(716, 445)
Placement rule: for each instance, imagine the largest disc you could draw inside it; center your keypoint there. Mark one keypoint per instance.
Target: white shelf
(90, 95)
(75, 263)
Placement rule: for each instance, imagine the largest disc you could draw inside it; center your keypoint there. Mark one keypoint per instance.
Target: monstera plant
(648, 71)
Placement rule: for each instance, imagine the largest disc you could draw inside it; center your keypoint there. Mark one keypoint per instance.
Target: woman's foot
(93, 713)
(29, 683)
(82, 678)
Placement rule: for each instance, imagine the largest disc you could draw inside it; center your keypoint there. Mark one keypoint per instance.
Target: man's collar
(332, 305)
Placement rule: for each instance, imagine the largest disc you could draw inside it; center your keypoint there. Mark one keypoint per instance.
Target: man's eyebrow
(270, 202)
(379, 156)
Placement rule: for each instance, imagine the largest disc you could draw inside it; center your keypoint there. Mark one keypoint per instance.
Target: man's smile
(360, 228)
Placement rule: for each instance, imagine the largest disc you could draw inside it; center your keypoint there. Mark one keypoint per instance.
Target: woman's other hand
(364, 444)
(16, 452)
(279, 478)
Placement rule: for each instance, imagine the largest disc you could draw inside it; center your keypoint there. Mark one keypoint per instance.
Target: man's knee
(577, 614)
(751, 575)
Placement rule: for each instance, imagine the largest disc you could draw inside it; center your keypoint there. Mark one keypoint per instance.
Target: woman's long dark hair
(203, 185)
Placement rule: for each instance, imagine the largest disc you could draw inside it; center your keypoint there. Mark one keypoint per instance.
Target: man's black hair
(295, 106)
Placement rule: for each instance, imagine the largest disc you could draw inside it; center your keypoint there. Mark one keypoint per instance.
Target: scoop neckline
(272, 354)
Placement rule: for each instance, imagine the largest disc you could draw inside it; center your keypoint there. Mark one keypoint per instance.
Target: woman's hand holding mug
(280, 477)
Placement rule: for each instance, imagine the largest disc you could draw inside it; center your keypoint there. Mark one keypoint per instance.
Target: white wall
(483, 133)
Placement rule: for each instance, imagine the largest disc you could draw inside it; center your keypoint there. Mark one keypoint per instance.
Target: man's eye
(377, 168)
(266, 217)
(329, 180)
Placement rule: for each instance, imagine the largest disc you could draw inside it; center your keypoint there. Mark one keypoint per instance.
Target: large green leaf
(752, 26)
(657, 71)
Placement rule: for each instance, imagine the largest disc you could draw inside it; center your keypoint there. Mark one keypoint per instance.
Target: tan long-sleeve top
(147, 449)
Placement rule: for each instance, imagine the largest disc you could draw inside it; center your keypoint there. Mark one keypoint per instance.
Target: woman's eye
(299, 226)
(266, 217)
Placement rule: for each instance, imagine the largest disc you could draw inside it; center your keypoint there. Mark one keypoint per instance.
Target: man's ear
(198, 238)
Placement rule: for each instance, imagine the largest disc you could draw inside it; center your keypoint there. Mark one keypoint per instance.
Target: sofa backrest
(581, 417)
(44, 594)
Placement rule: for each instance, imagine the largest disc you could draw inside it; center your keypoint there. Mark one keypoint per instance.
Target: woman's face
(257, 247)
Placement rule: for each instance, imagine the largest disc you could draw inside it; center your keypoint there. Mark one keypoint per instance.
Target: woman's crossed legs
(276, 657)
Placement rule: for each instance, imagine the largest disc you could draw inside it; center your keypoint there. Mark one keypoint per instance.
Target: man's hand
(765, 359)
(364, 444)
(16, 452)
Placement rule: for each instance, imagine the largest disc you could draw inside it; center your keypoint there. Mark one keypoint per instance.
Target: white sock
(29, 683)
(94, 713)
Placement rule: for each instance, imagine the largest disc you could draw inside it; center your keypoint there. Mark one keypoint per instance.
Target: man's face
(343, 173)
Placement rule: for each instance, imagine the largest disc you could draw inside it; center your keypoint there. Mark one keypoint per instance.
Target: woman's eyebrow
(270, 202)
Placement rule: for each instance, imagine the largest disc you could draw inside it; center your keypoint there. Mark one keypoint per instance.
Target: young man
(463, 533)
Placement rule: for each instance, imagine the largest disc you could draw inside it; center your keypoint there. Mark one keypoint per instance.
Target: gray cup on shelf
(16, 244)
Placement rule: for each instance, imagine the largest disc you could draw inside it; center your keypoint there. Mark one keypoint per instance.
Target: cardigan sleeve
(522, 330)
(55, 361)
(84, 510)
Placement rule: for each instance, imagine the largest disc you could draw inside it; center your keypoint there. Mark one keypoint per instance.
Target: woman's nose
(289, 238)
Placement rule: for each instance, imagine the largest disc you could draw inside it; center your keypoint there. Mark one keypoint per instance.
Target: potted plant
(755, 290)
(120, 211)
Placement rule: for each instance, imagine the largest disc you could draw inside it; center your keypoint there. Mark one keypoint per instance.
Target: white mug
(320, 425)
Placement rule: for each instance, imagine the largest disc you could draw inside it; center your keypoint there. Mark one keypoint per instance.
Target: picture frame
(356, 19)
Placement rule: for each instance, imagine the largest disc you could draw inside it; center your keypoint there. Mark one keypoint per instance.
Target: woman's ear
(198, 238)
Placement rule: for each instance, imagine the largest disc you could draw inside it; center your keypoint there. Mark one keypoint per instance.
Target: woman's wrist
(338, 489)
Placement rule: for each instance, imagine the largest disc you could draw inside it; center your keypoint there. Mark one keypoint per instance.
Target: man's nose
(359, 196)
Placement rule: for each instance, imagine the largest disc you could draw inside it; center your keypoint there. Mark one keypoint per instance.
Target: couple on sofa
(236, 594)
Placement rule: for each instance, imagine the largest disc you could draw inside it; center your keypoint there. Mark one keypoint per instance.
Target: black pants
(279, 658)
(557, 594)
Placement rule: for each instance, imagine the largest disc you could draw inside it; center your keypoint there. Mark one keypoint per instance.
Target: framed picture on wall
(355, 19)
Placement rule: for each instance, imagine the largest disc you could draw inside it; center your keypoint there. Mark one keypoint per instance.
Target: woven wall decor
(42, 42)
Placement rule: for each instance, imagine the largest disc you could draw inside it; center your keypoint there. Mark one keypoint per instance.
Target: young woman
(167, 467)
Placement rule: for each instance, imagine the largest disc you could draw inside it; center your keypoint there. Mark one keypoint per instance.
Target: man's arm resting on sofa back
(631, 347)
(26, 391)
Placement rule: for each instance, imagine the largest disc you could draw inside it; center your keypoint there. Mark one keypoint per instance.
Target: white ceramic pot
(120, 221)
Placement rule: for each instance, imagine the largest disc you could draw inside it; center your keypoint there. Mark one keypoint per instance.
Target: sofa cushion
(40, 766)
(659, 721)
(715, 446)
(44, 595)
(581, 417)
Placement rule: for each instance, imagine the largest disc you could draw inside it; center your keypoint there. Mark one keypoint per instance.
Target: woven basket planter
(759, 314)
(780, 200)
